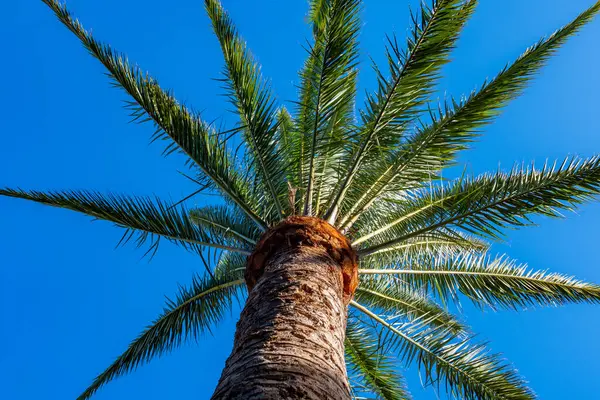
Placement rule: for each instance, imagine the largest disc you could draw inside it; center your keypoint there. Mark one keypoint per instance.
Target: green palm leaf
(149, 219)
(394, 297)
(328, 88)
(467, 371)
(413, 74)
(371, 365)
(486, 204)
(434, 145)
(493, 282)
(391, 218)
(190, 315)
(253, 99)
(435, 245)
(188, 133)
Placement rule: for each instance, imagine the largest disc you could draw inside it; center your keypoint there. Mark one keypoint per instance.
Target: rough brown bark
(289, 342)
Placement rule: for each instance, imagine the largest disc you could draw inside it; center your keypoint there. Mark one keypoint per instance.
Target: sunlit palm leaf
(222, 221)
(328, 88)
(493, 282)
(467, 371)
(392, 296)
(398, 98)
(485, 204)
(390, 219)
(435, 145)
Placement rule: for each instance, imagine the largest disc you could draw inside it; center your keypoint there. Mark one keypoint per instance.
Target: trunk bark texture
(289, 342)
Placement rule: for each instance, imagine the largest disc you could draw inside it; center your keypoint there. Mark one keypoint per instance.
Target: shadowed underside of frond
(373, 173)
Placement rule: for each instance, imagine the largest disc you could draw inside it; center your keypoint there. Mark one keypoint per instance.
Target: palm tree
(324, 208)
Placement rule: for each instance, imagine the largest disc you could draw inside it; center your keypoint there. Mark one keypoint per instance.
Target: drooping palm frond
(192, 314)
(328, 88)
(185, 130)
(372, 366)
(147, 218)
(399, 97)
(493, 282)
(467, 371)
(484, 205)
(394, 297)
(456, 124)
(253, 99)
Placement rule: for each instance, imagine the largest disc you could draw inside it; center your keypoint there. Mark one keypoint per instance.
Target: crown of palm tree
(373, 174)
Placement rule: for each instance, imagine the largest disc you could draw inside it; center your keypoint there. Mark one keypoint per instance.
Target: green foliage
(327, 91)
(485, 204)
(147, 218)
(371, 365)
(223, 222)
(394, 297)
(434, 146)
(412, 75)
(186, 132)
(373, 173)
(191, 314)
(468, 371)
(494, 282)
(253, 100)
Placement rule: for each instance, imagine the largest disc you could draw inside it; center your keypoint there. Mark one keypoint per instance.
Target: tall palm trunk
(289, 342)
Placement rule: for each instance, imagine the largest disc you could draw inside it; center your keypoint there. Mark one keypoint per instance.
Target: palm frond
(375, 368)
(490, 202)
(398, 99)
(328, 88)
(193, 312)
(390, 295)
(391, 218)
(456, 124)
(467, 371)
(147, 218)
(252, 97)
(493, 282)
(442, 241)
(184, 130)
(443, 244)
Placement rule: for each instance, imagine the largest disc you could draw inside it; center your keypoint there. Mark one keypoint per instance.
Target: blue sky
(70, 303)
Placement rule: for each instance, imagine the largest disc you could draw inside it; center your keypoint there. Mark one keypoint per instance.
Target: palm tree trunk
(289, 342)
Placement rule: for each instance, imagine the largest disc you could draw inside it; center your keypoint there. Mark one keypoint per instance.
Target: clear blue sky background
(70, 303)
